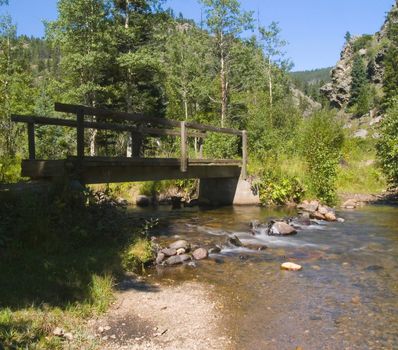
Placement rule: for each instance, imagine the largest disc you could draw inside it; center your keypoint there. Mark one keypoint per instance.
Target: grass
(60, 256)
(358, 171)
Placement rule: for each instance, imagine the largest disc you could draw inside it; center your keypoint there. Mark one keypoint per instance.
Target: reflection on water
(346, 296)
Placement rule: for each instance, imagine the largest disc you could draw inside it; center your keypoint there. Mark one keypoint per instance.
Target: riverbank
(167, 317)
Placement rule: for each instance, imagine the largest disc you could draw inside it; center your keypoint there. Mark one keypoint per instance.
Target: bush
(321, 143)
(10, 169)
(387, 147)
(280, 190)
(221, 146)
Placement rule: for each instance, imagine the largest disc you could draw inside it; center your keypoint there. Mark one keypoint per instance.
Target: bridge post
(31, 141)
(244, 155)
(184, 153)
(80, 134)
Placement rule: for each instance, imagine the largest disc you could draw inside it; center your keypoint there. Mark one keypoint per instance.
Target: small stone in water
(291, 266)
(179, 244)
(200, 253)
(180, 251)
(169, 251)
(341, 220)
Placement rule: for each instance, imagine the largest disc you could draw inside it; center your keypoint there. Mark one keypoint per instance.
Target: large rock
(281, 228)
(177, 259)
(308, 206)
(160, 257)
(180, 244)
(330, 216)
(200, 254)
(143, 201)
(317, 215)
(169, 251)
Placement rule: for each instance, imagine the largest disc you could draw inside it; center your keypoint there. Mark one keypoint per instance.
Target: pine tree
(359, 78)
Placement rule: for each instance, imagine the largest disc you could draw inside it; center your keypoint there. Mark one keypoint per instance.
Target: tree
(359, 79)
(226, 21)
(390, 81)
(82, 32)
(347, 37)
(273, 47)
(387, 146)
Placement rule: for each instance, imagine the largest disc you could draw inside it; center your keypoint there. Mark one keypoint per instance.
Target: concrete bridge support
(226, 191)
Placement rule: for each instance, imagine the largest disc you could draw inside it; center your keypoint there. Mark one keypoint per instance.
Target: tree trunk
(224, 83)
(270, 90)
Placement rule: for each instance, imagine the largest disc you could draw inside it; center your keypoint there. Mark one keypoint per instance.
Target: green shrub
(10, 169)
(387, 147)
(137, 254)
(221, 146)
(321, 143)
(279, 190)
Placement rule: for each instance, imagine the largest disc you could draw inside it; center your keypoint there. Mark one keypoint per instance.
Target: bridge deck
(93, 170)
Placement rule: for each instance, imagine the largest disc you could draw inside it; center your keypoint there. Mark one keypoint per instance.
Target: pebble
(289, 266)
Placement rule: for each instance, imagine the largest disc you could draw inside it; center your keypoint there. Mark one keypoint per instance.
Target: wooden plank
(101, 112)
(184, 151)
(244, 154)
(102, 126)
(31, 141)
(211, 128)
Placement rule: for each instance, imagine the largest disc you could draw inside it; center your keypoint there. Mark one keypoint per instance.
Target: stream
(346, 296)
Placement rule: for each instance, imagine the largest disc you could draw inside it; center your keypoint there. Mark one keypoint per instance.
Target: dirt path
(186, 316)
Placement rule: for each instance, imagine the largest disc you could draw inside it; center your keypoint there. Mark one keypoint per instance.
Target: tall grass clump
(321, 139)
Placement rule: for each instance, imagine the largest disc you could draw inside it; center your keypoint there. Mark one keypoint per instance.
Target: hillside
(312, 76)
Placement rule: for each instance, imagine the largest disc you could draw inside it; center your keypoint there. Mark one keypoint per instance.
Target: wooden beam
(184, 153)
(102, 126)
(244, 154)
(201, 127)
(31, 141)
(105, 113)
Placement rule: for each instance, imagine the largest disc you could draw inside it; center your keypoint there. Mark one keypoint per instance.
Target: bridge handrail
(136, 130)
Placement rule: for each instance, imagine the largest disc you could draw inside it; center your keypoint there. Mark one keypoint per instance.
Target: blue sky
(314, 28)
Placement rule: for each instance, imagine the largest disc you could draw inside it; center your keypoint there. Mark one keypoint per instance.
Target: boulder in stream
(169, 251)
(281, 228)
(180, 244)
(177, 259)
(235, 241)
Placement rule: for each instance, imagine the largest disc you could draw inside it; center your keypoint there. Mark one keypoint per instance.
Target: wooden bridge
(94, 169)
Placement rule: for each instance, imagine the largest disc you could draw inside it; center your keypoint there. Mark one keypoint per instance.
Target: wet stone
(169, 251)
(179, 244)
(235, 241)
(289, 266)
(281, 228)
(214, 250)
(160, 257)
(177, 259)
(200, 254)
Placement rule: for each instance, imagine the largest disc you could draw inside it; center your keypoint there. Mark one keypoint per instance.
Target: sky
(315, 29)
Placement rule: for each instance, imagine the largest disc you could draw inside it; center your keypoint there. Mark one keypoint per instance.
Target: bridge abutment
(226, 191)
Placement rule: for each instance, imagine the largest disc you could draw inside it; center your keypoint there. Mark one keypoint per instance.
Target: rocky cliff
(372, 48)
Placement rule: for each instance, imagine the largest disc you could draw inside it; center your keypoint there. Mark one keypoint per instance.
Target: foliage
(10, 169)
(362, 42)
(387, 147)
(137, 255)
(67, 248)
(274, 189)
(359, 79)
(321, 142)
(221, 146)
(390, 81)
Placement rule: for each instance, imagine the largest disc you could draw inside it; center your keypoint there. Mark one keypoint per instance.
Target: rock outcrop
(372, 49)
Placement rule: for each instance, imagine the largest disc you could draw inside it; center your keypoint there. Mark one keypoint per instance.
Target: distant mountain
(312, 76)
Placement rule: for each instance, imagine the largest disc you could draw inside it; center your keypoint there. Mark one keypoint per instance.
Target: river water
(346, 296)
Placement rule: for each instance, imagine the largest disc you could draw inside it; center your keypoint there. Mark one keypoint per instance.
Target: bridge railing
(137, 125)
